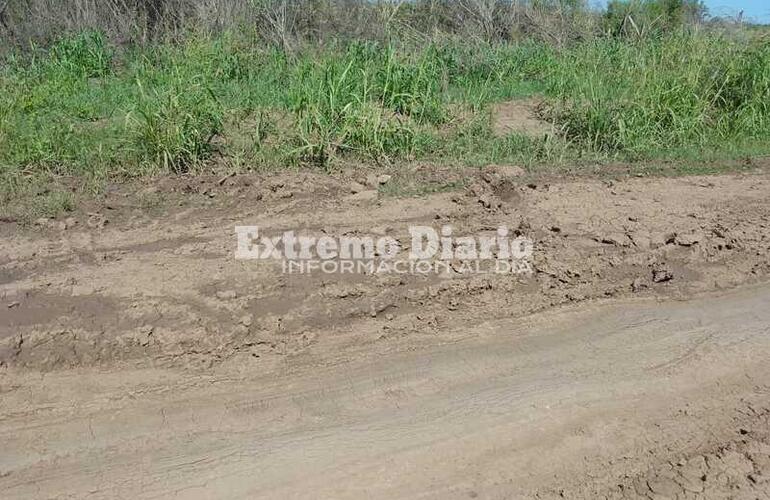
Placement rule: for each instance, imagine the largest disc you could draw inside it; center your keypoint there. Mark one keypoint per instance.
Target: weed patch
(84, 108)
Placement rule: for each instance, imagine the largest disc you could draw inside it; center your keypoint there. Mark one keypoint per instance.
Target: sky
(755, 10)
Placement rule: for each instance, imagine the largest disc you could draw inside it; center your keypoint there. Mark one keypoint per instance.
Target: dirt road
(138, 359)
(573, 401)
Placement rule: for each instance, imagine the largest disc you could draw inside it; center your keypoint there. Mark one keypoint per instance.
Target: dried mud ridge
(165, 289)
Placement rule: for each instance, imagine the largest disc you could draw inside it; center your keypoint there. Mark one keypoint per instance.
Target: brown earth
(521, 116)
(139, 358)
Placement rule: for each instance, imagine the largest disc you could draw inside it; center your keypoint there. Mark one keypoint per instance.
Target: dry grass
(287, 23)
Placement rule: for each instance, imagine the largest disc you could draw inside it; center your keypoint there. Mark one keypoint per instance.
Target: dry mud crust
(739, 469)
(165, 290)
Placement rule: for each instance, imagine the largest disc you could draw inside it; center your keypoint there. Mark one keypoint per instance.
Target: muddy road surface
(140, 359)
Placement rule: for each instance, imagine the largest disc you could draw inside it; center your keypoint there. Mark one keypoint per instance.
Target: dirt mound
(166, 289)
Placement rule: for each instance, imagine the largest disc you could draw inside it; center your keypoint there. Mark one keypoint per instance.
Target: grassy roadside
(87, 110)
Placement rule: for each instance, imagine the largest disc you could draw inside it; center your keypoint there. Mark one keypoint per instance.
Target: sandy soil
(521, 116)
(139, 359)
